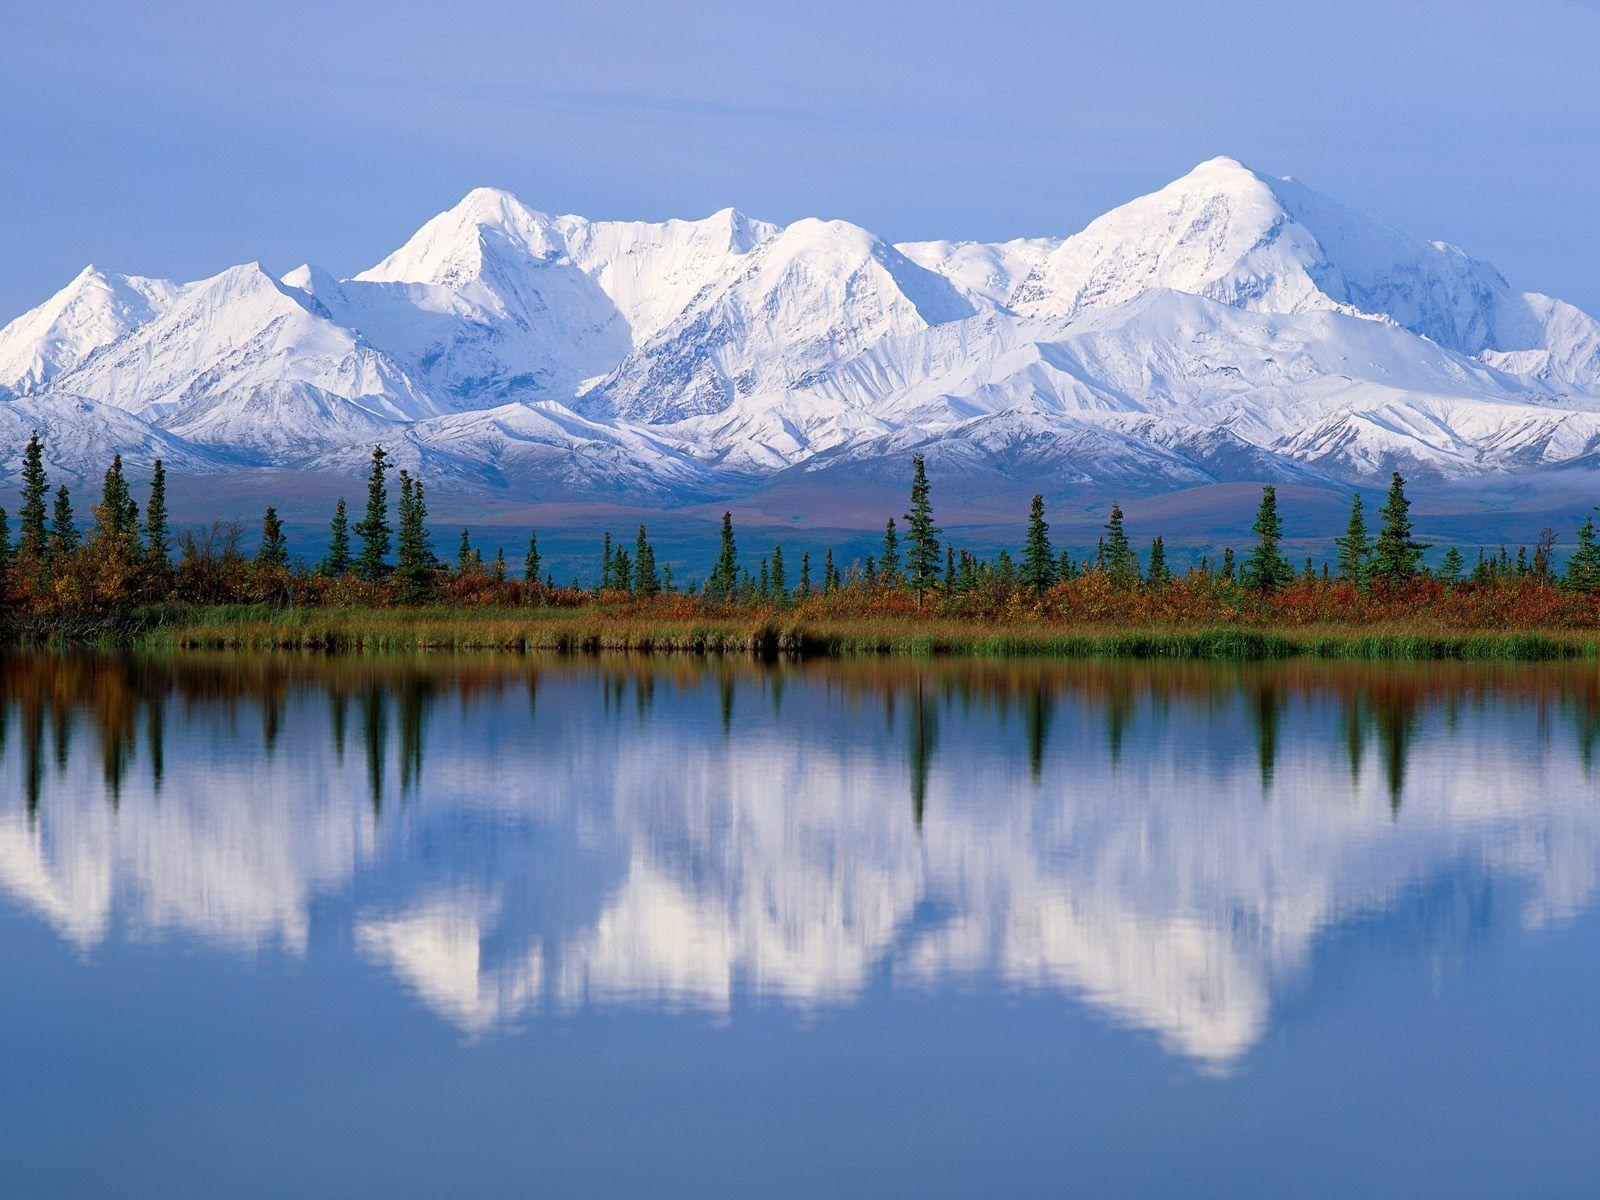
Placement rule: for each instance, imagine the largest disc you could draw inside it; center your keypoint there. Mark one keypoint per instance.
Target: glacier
(1231, 326)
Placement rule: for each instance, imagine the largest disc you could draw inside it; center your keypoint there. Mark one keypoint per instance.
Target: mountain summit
(1229, 326)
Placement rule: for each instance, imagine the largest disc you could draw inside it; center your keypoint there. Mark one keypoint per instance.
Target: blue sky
(176, 139)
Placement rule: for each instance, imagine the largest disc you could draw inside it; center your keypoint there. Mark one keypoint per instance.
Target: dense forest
(127, 570)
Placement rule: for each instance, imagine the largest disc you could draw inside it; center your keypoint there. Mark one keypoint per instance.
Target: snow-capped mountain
(1230, 326)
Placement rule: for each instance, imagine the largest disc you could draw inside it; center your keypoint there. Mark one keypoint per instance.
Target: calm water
(481, 927)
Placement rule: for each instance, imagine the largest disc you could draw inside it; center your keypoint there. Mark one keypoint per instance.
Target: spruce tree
(413, 553)
(1265, 569)
(803, 589)
(1157, 573)
(32, 538)
(607, 564)
(116, 516)
(723, 581)
(949, 571)
(374, 530)
(157, 537)
(1396, 555)
(922, 536)
(1355, 547)
(1450, 567)
(1117, 558)
(63, 525)
(778, 591)
(274, 551)
(646, 582)
(530, 562)
(1583, 568)
(830, 573)
(338, 560)
(467, 560)
(1038, 563)
(6, 553)
(890, 567)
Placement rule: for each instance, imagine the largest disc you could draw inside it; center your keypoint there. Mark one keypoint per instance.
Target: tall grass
(578, 631)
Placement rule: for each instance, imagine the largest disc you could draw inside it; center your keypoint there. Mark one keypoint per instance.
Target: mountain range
(1229, 327)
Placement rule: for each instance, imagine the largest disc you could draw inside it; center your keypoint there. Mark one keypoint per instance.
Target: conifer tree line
(121, 558)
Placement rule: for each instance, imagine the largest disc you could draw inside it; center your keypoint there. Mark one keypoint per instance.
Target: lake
(481, 926)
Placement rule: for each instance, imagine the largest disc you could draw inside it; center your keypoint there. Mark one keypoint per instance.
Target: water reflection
(1171, 844)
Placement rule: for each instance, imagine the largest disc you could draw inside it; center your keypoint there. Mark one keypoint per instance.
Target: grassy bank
(589, 630)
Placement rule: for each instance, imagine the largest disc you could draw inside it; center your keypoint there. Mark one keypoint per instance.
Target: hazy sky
(175, 139)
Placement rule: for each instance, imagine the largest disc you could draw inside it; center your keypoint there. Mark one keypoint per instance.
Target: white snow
(1229, 325)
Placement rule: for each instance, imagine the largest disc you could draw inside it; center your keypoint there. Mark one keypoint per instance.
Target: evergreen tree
(949, 570)
(116, 516)
(274, 551)
(1583, 568)
(414, 556)
(1157, 574)
(1005, 572)
(63, 525)
(646, 582)
(32, 538)
(1265, 569)
(6, 553)
(1117, 558)
(607, 565)
(724, 578)
(1396, 555)
(830, 573)
(467, 560)
(374, 529)
(804, 588)
(779, 590)
(498, 573)
(763, 587)
(1227, 563)
(890, 567)
(157, 537)
(1038, 563)
(1450, 567)
(338, 560)
(1355, 547)
(530, 562)
(922, 550)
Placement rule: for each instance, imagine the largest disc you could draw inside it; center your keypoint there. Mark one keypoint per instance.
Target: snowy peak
(454, 249)
(805, 299)
(91, 312)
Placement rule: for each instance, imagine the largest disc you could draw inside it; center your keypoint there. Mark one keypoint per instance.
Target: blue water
(284, 926)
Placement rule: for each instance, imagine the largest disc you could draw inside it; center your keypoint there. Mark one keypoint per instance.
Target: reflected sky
(1193, 857)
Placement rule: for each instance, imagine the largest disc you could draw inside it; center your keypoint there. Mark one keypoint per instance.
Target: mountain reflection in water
(525, 837)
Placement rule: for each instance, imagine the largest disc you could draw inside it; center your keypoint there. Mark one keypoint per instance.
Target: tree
(778, 589)
(1450, 567)
(830, 573)
(116, 516)
(1157, 573)
(5, 548)
(646, 582)
(63, 525)
(414, 556)
(1355, 547)
(1265, 568)
(1117, 558)
(804, 588)
(373, 562)
(1583, 568)
(32, 539)
(1396, 555)
(922, 536)
(468, 559)
(530, 562)
(1038, 563)
(890, 568)
(338, 560)
(274, 551)
(724, 578)
(157, 537)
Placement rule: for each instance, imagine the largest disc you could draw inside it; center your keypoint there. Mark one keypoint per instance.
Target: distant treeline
(125, 571)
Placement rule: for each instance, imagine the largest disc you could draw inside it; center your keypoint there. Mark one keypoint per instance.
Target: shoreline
(776, 634)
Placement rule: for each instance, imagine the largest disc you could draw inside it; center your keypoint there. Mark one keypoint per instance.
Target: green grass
(578, 631)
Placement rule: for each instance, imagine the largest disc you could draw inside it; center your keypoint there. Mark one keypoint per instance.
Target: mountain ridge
(1228, 326)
